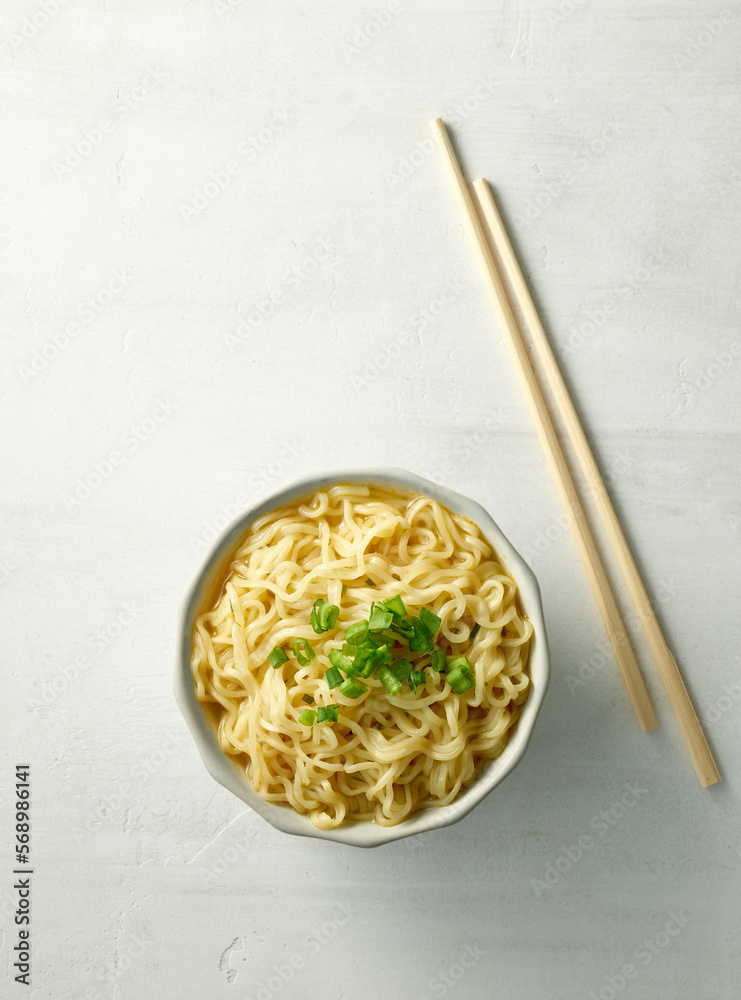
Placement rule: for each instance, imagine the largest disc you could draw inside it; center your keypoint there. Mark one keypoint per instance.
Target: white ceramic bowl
(361, 834)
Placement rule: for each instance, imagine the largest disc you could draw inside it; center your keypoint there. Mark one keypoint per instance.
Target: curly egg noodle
(387, 755)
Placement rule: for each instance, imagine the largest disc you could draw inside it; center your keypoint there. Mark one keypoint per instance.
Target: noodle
(387, 755)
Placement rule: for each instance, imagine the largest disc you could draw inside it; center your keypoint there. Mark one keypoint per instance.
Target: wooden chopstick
(679, 699)
(596, 575)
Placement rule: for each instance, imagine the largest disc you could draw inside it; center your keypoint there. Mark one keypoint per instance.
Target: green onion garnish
(333, 677)
(379, 619)
(474, 631)
(338, 659)
(416, 677)
(352, 689)
(308, 654)
(307, 699)
(354, 634)
(277, 658)
(459, 663)
(324, 616)
(437, 659)
(307, 717)
(461, 682)
(402, 669)
(460, 675)
(431, 622)
(328, 713)
(402, 628)
(396, 606)
(389, 680)
(421, 641)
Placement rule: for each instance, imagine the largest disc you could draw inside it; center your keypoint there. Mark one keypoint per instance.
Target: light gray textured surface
(611, 132)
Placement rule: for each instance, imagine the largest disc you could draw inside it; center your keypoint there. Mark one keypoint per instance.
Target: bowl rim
(360, 834)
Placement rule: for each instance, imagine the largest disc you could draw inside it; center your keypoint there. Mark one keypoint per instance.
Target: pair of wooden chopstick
(679, 699)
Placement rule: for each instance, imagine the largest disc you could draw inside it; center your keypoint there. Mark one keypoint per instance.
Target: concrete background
(230, 256)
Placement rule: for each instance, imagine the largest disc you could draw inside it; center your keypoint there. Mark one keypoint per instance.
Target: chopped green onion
(389, 680)
(328, 713)
(430, 621)
(352, 689)
(308, 654)
(474, 631)
(307, 699)
(355, 633)
(437, 659)
(314, 614)
(460, 681)
(368, 582)
(460, 675)
(421, 641)
(460, 662)
(362, 665)
(277, 658)
(379, 619)
(380, 657)
(307, 717)
(338, 659)
(402, 669)
(324, 616)
(402, 628)
(329, 615)
(416, 677)
(396, 606)
(333, 677)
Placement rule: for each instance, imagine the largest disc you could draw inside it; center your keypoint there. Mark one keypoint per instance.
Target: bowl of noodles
(362, 657)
